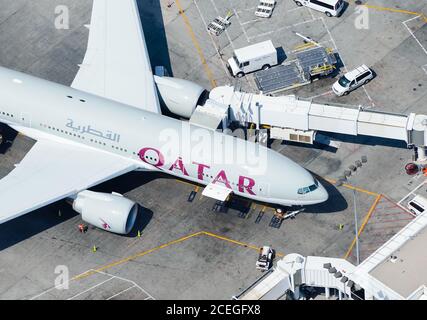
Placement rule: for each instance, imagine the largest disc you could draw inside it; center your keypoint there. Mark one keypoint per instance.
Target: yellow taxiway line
(379, 8)
(196, 44)
(168, 244)
(349, 186)
(138, 255)
(362, 227)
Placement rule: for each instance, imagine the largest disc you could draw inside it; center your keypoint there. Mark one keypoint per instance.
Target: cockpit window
(309, 188)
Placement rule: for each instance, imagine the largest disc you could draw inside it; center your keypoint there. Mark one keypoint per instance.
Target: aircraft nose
(321, 194)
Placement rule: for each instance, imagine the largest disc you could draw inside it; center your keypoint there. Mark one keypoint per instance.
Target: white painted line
(295, 9)
(283, 28)
(250, 21)
(127, 280)
(424, 67)
(91, 288)
(226, 32)
(321, 95)
(254, 8)
(243, 28)
(247, 9)
(369, 97)
(412, 192)
(58, 287)
(333, 42)
(311, 12)
(411, 19)
(210, 35)
(48, 290)
(123, 291)
(95, 271)
(412, 34)
(344, 65)
(321, 43)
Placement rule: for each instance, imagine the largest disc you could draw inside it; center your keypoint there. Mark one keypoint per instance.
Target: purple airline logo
(155, 157)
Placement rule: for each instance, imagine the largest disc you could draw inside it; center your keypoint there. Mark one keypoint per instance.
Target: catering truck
(255, 57)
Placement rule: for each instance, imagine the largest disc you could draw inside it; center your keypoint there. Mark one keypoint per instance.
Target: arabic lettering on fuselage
(87, 129)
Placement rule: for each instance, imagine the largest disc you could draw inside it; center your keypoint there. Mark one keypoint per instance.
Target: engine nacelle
(179, 96)
(111, 212)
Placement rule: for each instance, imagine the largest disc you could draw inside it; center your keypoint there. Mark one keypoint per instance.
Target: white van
(255, 57)
(352, 80)
(417, 205)
(332, 8)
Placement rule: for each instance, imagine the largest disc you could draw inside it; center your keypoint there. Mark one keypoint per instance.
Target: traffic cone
(94, 248)
(139, 234)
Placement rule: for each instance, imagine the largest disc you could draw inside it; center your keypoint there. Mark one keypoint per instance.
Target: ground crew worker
(82, 228)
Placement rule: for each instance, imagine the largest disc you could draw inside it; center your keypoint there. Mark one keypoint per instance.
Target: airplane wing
(116, 64)
(52, 171)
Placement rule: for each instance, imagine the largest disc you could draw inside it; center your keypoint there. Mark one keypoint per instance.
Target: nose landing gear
(283, 214)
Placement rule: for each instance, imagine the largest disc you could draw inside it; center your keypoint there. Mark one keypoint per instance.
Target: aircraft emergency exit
(109, 122)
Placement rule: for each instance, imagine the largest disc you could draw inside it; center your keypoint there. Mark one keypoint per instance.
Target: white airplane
(109, 123)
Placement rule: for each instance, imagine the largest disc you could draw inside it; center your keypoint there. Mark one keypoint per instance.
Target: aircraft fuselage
(38, 107)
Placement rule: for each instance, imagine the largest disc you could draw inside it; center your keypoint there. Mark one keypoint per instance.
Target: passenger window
(413, 204)
(322, 4)
(362, 76)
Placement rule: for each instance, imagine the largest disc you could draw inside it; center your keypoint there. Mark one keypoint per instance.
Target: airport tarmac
(186, 250)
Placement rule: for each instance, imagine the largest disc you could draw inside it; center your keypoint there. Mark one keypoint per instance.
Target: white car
(352, 80)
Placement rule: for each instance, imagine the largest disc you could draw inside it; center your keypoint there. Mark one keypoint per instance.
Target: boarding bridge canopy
(292, 112)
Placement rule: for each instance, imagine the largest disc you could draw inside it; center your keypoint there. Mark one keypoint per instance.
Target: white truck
(262, 55)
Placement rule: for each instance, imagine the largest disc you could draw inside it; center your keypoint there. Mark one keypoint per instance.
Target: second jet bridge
(290, 117)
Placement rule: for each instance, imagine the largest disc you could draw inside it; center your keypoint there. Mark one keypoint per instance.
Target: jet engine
(111, 212)
(180, 96)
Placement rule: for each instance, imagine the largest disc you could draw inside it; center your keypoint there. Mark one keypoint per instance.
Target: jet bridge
(295, 119)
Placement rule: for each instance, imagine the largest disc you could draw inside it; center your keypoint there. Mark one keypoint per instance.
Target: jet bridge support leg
(421, 154)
